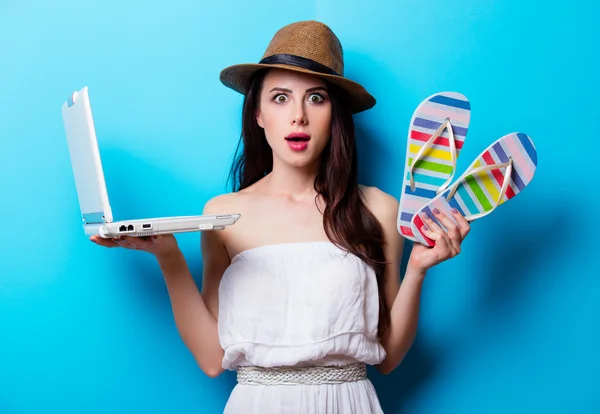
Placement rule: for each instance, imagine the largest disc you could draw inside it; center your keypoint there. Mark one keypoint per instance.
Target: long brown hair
(347, 221)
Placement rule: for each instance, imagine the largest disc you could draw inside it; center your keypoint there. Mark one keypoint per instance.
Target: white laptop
(91, 187)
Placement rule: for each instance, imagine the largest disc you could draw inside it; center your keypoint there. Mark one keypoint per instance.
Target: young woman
(304, 290)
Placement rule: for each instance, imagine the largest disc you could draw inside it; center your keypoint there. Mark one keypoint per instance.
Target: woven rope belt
(308, 375)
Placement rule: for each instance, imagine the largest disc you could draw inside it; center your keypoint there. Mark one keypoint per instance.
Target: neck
(294, 182)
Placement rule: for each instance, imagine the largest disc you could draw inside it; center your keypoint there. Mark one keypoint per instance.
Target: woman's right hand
(157, 245)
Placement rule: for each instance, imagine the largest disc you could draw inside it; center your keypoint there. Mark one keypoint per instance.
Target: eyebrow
(316, 88)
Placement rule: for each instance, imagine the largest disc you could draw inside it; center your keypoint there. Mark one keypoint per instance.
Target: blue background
(510, 325)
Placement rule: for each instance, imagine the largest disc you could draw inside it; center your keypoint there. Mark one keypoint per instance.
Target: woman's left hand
(447, 245)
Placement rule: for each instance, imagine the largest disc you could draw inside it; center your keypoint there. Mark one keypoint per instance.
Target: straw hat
(307, 47)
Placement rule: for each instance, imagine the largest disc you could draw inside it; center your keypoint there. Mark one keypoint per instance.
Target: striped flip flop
(436, 135)
(483, 187)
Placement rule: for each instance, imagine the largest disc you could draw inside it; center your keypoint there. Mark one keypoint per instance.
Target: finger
(446, 247)
(103, 242)
(433, 230)
(433, 235)
(124, 242)
(442, 242)
(441, 238)
(433, 226)
(463, 224)
(452, 229)
(450, 225)
(135, 243)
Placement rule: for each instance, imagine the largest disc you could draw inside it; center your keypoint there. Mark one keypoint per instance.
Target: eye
(280, 98)
(316, 98)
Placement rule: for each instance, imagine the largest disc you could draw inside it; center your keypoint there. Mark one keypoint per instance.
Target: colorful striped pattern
(478, 193)
(435, 167)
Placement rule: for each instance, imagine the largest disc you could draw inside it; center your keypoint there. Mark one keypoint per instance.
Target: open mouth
(297, 139)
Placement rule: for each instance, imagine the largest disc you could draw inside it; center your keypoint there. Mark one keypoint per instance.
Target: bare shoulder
(385, 209)
(383, 205)
(243, 203)
(223, 203)
(234, 202)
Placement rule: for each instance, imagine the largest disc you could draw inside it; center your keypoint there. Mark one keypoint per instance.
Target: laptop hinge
(93, 218)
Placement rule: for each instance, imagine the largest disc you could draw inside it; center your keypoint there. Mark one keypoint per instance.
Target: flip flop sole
(477, 193)
(435, 167)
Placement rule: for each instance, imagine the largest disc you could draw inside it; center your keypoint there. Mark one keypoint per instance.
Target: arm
(404, 299)
(195, 313)
(404, 311)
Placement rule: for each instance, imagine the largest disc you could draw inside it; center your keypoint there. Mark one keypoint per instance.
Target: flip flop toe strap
(505, 182)
(426, 147)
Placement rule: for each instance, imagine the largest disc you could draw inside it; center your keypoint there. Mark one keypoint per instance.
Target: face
(295, 112)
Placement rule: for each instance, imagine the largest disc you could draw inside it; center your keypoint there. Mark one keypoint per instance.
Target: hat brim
(239, 77)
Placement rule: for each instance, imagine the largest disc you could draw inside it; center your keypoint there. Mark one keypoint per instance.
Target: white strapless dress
(294, 305)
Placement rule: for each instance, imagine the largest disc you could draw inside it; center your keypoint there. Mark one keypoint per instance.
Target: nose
(299, 115)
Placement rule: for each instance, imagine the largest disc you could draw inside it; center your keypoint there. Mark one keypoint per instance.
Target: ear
(259, 119)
